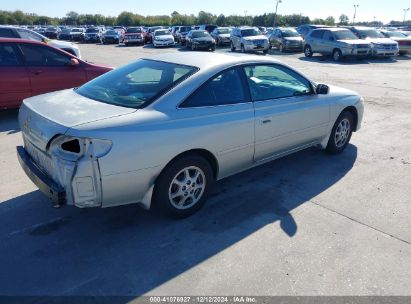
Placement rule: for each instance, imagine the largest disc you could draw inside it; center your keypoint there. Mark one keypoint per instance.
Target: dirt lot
(308, 224)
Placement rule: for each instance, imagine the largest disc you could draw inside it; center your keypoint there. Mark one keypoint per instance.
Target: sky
(382, 10)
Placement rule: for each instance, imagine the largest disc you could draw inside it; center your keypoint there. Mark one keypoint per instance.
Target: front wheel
(341, 133)
(232, 47)
(183, 186)
(242, 49)
(308, 51)
(281, 48)
(337, 55)
(193, 47)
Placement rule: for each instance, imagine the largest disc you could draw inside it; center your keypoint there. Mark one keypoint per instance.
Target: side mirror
(322, 89)
(74, 62)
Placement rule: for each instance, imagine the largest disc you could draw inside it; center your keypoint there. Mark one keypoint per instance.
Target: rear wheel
(337, 55)
(281, 48)
(193, 47)
(242, 49)
(341, 133)
(183, 186)
(308, 51)
(232, 47)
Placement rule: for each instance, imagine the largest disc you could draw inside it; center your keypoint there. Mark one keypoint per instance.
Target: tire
(308, 51)
(337, 55)
(126, 44)
(177, 192)
(281, 48)
(265, 52)
(341, 133)
(193, 47)
(232, 47)
(242, 49)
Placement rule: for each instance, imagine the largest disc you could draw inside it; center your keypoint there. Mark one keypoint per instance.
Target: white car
(163, 38)
(16, 32)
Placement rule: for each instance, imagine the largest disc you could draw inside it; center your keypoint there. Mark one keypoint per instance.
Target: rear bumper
(46, 185)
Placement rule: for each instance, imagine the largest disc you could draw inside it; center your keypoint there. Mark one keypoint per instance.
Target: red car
(29, 68)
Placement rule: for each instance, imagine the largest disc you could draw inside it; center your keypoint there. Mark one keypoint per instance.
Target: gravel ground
(307, 224)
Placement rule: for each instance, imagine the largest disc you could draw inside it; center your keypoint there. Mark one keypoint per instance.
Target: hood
(165, 37)
(293, 38)
(43, 116)
(259, 37)
(354, 42)
(380, 40)
(62, 44)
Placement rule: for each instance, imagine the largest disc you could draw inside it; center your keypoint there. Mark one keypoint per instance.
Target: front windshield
(290, 33)
(94, 30)
(184, 29)
(199, 34)
(134, 30)
(224, 31)
(161, 33)
(77, 30)
(111, 33)
(345, 35)
(370, 34)
(396, 35)
(136, 84)
(250, 32)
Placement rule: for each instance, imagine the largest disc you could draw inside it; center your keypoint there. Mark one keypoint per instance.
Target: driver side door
(288, 114)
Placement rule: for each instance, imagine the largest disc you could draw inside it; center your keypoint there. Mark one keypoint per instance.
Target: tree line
(132, 19)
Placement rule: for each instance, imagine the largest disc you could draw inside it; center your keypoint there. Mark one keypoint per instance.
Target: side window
(24, 34)
(7, 33)
(39, 55)
(327, 35)
(318, 34)
(275, 81)
(226, 88)
(8, 56)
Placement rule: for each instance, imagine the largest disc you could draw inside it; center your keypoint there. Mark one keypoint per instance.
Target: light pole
(276, 8)
(405, 14)
(355, 13)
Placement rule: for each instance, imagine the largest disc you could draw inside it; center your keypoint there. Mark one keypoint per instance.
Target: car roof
(363, 28)
(208, 60)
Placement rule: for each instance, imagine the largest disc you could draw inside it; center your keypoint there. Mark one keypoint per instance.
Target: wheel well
(336, 49)
(207, 155)
(354, 113)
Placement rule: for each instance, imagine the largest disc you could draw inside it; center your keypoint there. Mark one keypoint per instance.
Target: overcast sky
(382, 9)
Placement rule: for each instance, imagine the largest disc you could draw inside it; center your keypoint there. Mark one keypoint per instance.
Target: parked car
(380, 46)
(221, 35)
(304, 29)
(29, 68)
(149, 34)
(207, 27)
(16, 32)
(77, 34)
(248, 39)
(93, 34)
(404, 41)
(200, 40)
(174, 31)
(64, 34)
(337, 42)
(182, 33)
(52, 32)
(163, 38)
(111, 36)
(286, 39)
(161, 131)
(134, 35)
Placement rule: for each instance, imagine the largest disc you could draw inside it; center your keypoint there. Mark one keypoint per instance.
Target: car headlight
(248, 42)
(213, 40)
(73, 148)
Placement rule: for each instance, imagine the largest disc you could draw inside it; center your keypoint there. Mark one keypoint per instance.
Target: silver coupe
(160, 131)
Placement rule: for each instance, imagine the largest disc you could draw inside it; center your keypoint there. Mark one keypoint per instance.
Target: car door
(222, 120)
(316, 37)
(327, 43)
(288, 114)
(50, 70)
(274, 38)
(14, 78)
(236, 38)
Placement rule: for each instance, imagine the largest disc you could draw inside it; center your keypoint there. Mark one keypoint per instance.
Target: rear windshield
(134, 30)
(395, 35)
(345, 35)
(137, 84)
(161, 33)
(93, 30)
(184, 29)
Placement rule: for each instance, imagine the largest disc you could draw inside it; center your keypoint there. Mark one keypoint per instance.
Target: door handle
(37, 72)
(265, 121)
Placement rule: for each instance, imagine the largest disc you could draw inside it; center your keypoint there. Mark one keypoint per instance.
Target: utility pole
(275, 15)
(355, 13)
(405, 14)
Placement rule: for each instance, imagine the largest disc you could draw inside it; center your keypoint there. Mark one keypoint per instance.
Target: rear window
(136, 84)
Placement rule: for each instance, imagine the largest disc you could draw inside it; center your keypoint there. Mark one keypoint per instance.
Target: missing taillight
(72, 146)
